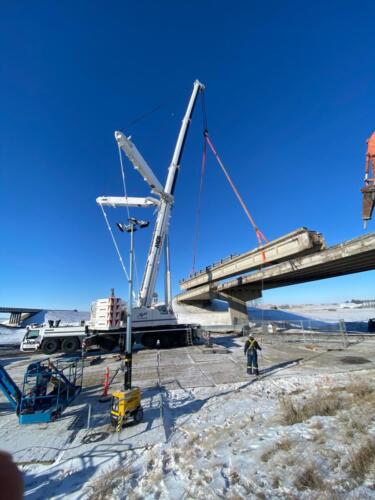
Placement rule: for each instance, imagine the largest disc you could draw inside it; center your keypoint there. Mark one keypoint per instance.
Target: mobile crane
(151, 323)
(160, 319)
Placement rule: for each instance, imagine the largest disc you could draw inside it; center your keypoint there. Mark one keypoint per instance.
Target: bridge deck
(18, 310)
(349, 257)
(302, 241)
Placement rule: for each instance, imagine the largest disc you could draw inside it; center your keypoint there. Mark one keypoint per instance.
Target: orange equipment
(368, 190)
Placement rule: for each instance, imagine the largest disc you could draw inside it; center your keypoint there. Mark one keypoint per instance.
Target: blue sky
(290, 99)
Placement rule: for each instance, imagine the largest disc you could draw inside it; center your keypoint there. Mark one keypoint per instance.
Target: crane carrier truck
(106, 326)
(152, 324)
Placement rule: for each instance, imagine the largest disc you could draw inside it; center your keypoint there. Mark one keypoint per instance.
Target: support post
(238, 312)
(128, 353)
(168, 286)
(237, 300)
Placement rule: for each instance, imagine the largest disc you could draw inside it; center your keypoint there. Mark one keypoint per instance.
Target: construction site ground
(176, 384)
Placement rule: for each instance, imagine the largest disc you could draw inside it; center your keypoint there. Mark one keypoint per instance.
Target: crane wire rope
(262, 240)
(115, 243)
(199, 206)
(260, 236)
(200, 192)
(127, 208)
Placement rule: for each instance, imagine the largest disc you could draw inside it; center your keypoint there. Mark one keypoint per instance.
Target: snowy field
(304, 429)
(240, 444)
(11, 336)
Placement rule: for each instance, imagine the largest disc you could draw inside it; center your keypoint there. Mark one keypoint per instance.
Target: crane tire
(50, 346)
(70, 345)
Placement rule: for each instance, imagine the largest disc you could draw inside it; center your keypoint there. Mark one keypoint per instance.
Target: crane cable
(260, 236)
(127, 208)
(262, 240)
(199, 205)
(114, 242)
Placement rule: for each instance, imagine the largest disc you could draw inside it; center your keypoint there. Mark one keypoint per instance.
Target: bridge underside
(17, 314)
(353, 256)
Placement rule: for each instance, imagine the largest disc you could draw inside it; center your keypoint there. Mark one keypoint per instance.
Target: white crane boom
(138, 162)
(123, 201)
(162, 220)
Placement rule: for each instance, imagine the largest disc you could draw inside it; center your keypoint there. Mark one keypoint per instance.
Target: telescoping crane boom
(163, 200)
(162, 220)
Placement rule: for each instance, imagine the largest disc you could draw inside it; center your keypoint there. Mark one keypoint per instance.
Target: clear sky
(290, 94)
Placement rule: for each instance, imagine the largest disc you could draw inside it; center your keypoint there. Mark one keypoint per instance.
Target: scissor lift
(48, 388)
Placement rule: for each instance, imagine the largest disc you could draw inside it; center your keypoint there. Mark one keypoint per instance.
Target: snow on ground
(304, 429)
(235, 444)
(232, 442)
(9, 336)
(334, 312)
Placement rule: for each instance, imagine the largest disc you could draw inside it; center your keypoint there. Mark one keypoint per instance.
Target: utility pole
(130, 228)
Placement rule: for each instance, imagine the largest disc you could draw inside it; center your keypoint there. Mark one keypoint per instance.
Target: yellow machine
(126, 405)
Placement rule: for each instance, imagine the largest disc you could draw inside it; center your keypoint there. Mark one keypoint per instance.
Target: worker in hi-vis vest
(251, 347)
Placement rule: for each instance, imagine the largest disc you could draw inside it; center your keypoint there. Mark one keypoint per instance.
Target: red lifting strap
(260, 236)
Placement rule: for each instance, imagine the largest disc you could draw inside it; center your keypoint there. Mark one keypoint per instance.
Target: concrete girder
(353, 256)
(302, 241)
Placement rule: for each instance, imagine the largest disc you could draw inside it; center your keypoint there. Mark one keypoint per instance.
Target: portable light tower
(130, 228)
(128, 402)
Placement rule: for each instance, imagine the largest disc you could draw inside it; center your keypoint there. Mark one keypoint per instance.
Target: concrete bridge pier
(237, 307)
(15, 318)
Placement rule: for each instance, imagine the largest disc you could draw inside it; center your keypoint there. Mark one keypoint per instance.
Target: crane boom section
(128, 201)
(162, 220)
(138, 162)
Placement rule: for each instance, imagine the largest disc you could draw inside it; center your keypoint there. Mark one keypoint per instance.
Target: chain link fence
(303, 331)
(296, 331)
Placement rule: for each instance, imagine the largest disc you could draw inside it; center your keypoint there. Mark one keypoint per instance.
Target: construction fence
(302, 331)
(296, 331)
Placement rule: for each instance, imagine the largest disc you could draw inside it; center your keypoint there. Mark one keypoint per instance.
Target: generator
(126, 405)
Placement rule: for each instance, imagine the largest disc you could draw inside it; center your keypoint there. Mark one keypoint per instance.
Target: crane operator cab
(126, 405)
